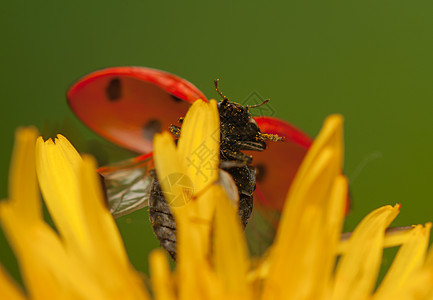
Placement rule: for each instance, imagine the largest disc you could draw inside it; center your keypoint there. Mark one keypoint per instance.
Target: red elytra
(118, 103)
(278, 164)
(127, 105)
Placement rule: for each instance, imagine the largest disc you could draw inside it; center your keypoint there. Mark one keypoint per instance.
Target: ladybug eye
(253, 124)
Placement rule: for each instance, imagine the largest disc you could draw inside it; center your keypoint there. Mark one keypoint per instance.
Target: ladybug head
(239, 130)
(238, 127)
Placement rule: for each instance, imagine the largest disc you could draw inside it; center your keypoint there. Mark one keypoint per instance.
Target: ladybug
(238, 131)
(129, 105)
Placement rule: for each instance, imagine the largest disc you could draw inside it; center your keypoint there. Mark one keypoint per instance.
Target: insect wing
(128, 105)
(128, 184)
(277, 165)
(229, 186)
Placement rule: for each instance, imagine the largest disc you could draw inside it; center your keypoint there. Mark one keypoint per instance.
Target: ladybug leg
(253, 146)
(175, 130)
(231, 154)
(243, 157)
(228, 164)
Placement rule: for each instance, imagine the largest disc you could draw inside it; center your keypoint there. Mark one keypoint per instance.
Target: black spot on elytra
(176, 99)
(260, 172)
(150, 128)
(114, 89)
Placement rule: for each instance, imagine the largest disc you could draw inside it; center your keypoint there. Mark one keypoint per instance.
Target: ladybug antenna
(257, 105)
(218, 90)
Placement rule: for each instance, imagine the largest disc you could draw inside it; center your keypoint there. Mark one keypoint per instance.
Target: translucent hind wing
(128, 184)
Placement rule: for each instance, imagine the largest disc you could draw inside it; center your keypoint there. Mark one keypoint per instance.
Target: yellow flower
(194, 160)
(85, 258)
(302, 263)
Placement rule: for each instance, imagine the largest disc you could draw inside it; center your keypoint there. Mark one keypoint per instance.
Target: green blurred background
(368, 60)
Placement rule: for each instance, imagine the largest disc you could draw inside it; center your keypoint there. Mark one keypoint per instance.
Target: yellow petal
(188, 172)
(88, 261)
(177, 186)
(57, 169)
(162, 283)
(330, 136)
(23, 185)
(229, 247)
(315, 177)
(421, 283)
(330, 234)
(408, 262)
(21, 217)
(105, 250)
(193, 230)
(199, 144)
(318, 191)
(358, 268)
(394, 236)
(40, 251)
(101, 230)
(8, 288)
(73, 194)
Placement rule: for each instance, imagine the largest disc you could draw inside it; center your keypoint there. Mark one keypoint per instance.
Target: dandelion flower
(302, 263)
(85, 258)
